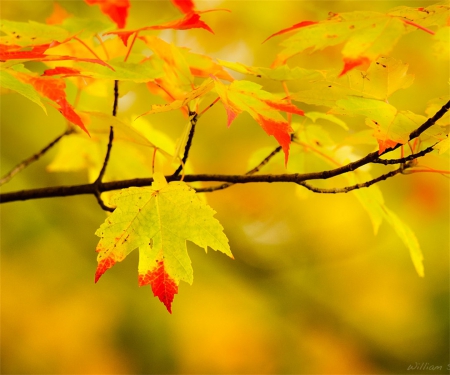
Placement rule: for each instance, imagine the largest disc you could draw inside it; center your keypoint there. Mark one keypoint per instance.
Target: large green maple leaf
(158, 220)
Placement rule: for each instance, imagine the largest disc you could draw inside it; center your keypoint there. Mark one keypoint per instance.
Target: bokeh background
(311, 289)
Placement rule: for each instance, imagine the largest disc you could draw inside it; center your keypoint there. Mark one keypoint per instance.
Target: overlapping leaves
(367, 35)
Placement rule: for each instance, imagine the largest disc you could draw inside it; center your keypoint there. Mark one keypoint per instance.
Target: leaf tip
(351, 63)
(163, 286)
(103, 266)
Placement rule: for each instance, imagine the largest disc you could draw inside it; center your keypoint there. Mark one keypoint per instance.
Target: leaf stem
(92, 51)
(99, 179)
(131, 46)
(208, 107)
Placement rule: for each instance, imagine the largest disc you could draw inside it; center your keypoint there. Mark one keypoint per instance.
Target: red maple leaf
(117, 10)
(189, 21)
(53, 89)
(185, 6)
(15, 52)
(103, 266)
(163, 286)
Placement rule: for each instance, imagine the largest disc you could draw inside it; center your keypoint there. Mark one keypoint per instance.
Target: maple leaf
(204, 66)
(384, 76)
(53, 89)
(204, 88)
(159, 220)
(18, 54)
(9, 81)
(263, 106)
(367, 35)
(433, 15)
(31, 33)
(391, 125)
(179, 66)
(116, 10)
(191, 20)
(123, 71)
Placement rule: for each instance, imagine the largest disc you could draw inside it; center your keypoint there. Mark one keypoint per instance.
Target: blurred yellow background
(311, 289)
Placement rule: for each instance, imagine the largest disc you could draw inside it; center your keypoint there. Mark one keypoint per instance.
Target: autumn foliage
(159, 215)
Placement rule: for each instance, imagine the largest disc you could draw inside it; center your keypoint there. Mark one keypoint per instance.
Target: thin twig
(99, 179)
(353, 187)
(406, 158)
(250, 172)
(193, 121)
(33, 158)
(116, 98)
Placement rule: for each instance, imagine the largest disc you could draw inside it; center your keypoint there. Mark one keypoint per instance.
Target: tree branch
(354, 187)
(406, 158)
(97, 183)
(99, 179)
(64, 191)
(250, 172)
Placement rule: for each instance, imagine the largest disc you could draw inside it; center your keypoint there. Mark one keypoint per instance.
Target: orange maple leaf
(53, 89)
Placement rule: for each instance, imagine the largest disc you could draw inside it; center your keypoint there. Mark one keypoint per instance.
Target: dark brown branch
(193, 121)
(430, 122)
(406, 158)
(99, 179)
(32, 158)
(250, 172)
(353, 187)
(63, 191)
(116, 97)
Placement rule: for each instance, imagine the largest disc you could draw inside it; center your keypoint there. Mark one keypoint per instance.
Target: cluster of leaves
(158, 220)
